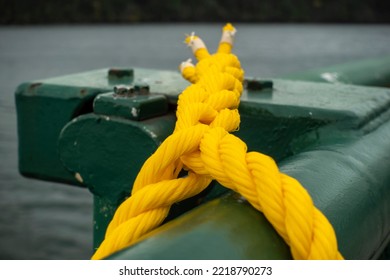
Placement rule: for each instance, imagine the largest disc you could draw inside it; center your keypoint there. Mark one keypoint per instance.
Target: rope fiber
(202, 146)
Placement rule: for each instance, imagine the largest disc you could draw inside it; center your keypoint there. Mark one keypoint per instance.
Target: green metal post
(96, 129)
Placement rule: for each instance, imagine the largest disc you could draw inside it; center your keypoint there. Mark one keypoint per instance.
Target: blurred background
(134, 11)
(41, 39)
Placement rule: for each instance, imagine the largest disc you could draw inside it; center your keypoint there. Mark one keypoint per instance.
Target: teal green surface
(42, 111)
(370, 72)
(107, 153)
(227, 228)
(349, 182)
(332, 137)
(137, 107)
(44, 107)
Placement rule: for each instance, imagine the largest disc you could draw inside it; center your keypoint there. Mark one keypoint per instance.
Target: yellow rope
(202, 145)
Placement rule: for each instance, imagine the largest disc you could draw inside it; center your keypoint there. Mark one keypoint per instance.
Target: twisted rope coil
(202, 145)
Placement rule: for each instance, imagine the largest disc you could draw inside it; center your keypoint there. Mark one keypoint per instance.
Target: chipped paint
(134, 112)
(331, 77)
(151, 133)
(78, 177)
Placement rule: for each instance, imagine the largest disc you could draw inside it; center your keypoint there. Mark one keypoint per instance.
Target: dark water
(41, 220)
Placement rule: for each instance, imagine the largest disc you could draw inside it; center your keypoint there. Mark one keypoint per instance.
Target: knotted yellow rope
(202, 145)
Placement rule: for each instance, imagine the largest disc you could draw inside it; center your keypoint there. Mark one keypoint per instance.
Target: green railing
(95, 130)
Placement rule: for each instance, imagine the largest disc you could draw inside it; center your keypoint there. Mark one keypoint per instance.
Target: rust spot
(34, 85)
(120, 73)
(255, 84)
(32, 88)
(83, 92)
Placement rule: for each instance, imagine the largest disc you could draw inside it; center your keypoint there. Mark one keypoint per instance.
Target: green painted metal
(138, 107)
(345, 169)
(349, 181)
(44, 107)
(346, 181)
(106, 153)
(225, 228)
(293, 117)
(370, 72)
(95, 129)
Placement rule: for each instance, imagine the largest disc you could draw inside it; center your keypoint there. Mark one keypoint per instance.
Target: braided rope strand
(202, 145)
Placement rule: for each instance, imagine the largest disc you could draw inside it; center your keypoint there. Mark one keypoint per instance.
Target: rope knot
(202, 146)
